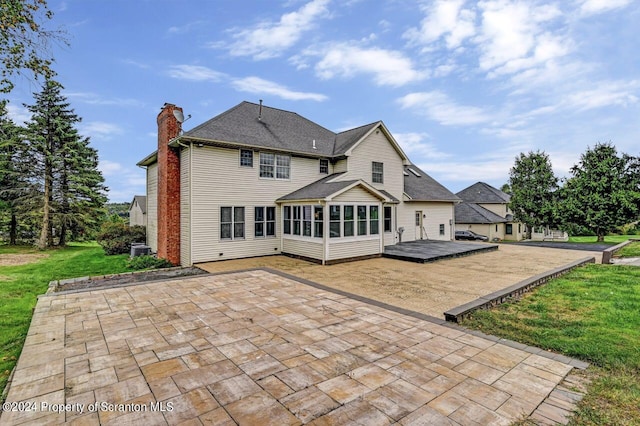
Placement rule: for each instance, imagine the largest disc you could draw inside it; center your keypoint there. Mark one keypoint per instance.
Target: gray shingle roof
(481, 192)
(276, 129)
(319, 189)
(473, 213)
(142, 202)
(348, 138)
(424, 187)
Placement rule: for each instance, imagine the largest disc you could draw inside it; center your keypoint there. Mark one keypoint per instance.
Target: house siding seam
(152, 207)
(185, 207)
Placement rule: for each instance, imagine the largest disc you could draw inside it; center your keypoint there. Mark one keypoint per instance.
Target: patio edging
(496, 298)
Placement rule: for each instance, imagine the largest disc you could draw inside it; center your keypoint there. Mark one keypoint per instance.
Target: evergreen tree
(63, 168)
(533, 190)
(603, 192)
(9, 179)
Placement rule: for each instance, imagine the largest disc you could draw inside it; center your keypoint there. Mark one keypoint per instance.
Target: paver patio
(259, 347)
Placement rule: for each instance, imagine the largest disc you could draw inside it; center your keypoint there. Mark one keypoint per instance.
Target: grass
(613, 239)
(630, 250)
(593, 314)
(21, 284)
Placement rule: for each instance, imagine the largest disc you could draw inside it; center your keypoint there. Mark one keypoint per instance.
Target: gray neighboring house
(257, 180)
(138, 211)
(485, 210)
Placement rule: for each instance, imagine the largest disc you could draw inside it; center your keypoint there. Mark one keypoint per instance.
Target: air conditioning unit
(140, 250)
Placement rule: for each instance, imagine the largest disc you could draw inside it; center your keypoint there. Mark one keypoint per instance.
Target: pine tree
(70, 188)
(9, 178)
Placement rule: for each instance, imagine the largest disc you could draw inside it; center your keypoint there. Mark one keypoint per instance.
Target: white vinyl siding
(355, 195)
(211, 170)
(354, 248)
(303, 247)
(136, 217)
(152, 207)
(376, 147)
(435, 214)
(185, 213)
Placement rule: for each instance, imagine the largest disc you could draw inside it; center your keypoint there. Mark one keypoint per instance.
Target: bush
(147, 262)
(116, 237)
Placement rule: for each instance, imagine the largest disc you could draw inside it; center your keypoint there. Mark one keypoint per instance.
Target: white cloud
(185, 28)
(18, 114)
(260, 86)
(415, 145)
(591, 7)
(606, 94)
(99, 129)
(388, 67)
(110, 168)
(270, 39)
(445, 18)
(513, 38)
(95, 99)
(439, 107)
(195, 73)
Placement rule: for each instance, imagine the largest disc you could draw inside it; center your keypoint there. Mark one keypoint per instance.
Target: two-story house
(256, 181)
(485, 211)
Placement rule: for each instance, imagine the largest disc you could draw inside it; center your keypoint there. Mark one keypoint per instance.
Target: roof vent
(260, 111)
(414, 172)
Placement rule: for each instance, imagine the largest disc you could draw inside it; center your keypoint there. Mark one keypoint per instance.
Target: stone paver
(258, 347)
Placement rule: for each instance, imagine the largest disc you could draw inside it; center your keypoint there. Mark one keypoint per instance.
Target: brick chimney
(168, 186)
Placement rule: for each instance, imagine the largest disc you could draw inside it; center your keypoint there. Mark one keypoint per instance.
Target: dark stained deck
(423, 251)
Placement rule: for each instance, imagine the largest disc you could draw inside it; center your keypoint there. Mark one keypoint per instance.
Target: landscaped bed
(126, 278)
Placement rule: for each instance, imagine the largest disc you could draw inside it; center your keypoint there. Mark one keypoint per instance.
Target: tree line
(601, 194)
(51, 190)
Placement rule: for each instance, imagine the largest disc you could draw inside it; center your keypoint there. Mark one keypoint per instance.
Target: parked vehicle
(470, 236)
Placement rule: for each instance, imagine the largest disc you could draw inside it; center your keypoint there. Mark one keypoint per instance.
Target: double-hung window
(287, 219)
(334, 221)
(246, 158)
(265, 221)
(306, 221)
(348, 221)
(387, 218)
(296, 220)
(275, 166)
(231, 223)
(324, 166)
(318, 217)
(377, 172)
(362, 220)
(373, 220)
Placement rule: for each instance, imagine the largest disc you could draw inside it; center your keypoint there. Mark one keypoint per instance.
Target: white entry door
(419, 225)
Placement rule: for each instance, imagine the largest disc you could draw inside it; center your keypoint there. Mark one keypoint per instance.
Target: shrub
(147, 262)
(116, 237)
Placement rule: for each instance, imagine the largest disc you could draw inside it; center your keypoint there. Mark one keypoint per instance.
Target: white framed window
(246, 158)
(349, 222)
(387, 218)
(334, 221)
(324, 166)
(377, 172)
(265, 222)
(318, 224)
(275, 166)
(374, 227)
(296, 220)
(362, 220)
(231, 223)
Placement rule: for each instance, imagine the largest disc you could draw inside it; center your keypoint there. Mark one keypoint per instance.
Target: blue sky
(464, 86)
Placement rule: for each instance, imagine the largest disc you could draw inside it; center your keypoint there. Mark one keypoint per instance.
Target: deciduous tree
(25, 42)
(533, 186)
(603, 192)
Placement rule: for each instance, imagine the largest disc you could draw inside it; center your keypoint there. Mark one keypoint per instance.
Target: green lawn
(614, 239)
(630, 250)
(593, 314)
(21, 284)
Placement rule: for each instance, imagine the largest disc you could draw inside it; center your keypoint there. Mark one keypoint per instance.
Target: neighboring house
(138, 211)
(255, 181)
(485, 211)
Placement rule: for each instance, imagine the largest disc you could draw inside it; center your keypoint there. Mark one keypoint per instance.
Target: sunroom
(330, 222)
